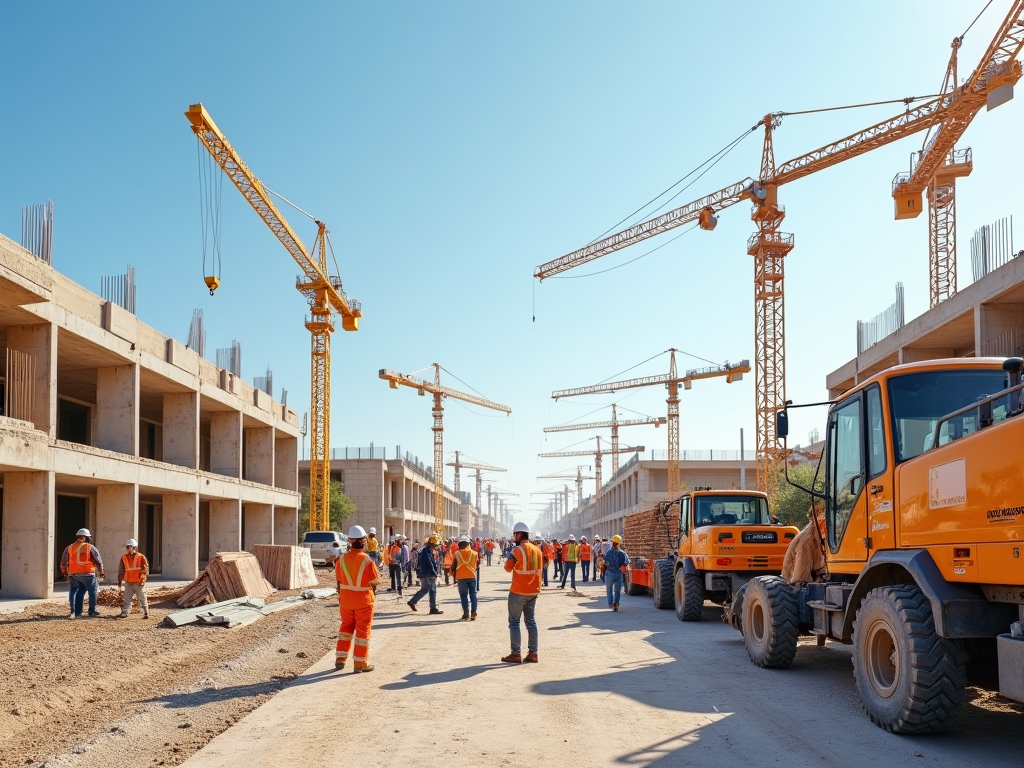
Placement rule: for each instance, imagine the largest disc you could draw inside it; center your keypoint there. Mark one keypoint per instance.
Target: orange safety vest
(549, 552)
(133, 565)
(79, 560)
(489, 545)
(393, 551)
(465, 564)
(584, 551)
(448, 558)
(355, 570)
(527, 570)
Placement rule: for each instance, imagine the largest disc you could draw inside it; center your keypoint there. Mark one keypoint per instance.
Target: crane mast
(322, 290)
(614, 425)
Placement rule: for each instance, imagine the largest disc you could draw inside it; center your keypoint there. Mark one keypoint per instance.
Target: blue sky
(451, 147)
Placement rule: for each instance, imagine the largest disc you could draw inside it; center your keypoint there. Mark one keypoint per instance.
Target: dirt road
(630, 688)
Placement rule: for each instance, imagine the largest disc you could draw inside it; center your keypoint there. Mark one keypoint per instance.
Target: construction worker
(373, 546)
(547, 551)
(525, 565)
(465, 567)
(478, 547)
(357, 576)
(605, 546)
(449, 558)
(595, 557)
(615, 561)
(585, 554)
(489, 550)
(570, 556)
(397, 555)
(132, 572)
(428, 567)
(79, 565)
(556, 545)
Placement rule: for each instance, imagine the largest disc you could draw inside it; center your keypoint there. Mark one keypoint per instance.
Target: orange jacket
(391, 553)
(135, 567)
(526, 566)
(584, 551)
(549, 553)
(448, 558)
(465, 564)
(356, 573)
(489, 545)
(78, 558)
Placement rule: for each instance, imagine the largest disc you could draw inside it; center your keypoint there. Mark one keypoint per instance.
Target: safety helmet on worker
(583, 538)
(131, 543)
(357, 532)
(616, 539)
(572, 537)
(464, 538)
(372, 530)
(520, 528)
(83, 532)
(432, 539)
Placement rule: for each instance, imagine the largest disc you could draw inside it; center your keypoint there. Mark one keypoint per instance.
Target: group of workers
(527, 561)
(81, 563)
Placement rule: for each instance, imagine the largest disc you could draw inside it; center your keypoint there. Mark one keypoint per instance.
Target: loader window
(844, 475)
(876, 432)
(730, 510)
(919, 400)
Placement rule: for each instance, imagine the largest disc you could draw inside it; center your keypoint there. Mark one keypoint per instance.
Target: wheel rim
(757, 623)
(883, 666)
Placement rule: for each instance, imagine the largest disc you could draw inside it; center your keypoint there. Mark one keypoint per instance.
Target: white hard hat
(464, 538)
(372, 530)
(400, 536)
(131, 543)
(520, 528)
(583, 538)
(357, 532)
(83, 532)
(572, 537)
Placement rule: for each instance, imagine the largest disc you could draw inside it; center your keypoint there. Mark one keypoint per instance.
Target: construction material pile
(229, 575)
(650, 535)
(286, 567)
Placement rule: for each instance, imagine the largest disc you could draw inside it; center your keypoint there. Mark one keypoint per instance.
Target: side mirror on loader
(782, 424)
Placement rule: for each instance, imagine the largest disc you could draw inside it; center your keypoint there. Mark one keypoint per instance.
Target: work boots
(531, 658)
(472, 616)
(435, 611)
(465, 616)
(512, 658)
(411, 604)
(364, 668)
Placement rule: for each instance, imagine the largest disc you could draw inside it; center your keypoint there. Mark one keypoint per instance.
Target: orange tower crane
(579, 477)
(614, 424)
(322, 290)
(597, 454)
(479, 479)
(672, 380)
(997, 71)
(396, 380)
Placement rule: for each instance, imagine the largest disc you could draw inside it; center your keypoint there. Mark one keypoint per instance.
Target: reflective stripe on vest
(469, 562)
(353, 586)
(522, 561)
(79, 560)
(133, 567)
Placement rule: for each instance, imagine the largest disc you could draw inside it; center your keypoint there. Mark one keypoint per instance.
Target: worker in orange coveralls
(357, 576)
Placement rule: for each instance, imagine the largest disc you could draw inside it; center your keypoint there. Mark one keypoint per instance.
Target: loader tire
(689, 596)
(662, 587)
(909, 679)
(631, 588)
(771, 622)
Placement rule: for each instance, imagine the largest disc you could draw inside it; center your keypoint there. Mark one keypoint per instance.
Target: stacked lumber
(229, 575)
(286, 567)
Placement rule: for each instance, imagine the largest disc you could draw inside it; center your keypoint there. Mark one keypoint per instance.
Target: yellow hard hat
(432, 539)
(616, 539)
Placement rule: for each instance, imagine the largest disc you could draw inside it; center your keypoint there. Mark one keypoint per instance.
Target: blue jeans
(79, 584)
(613, 585)
(545, 573)
(522, 606)
(569, 569)
(429, 586)
(585, 566)
(467, 594)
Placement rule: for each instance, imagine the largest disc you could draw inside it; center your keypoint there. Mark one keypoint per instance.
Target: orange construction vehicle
(924, 517)
(725, 539)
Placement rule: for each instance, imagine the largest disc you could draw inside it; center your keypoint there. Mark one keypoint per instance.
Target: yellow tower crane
(672, 380)
(597, 454)
(322, 290)
(396, 380)
(614, 425)
(579, 477)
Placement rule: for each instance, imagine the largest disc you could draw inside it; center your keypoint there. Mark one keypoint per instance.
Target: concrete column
(225, 526)
(226, 443)
(259, 524)
(117, 409)
(286, 526)
(286, 462)
(181, 535)
(999, 329)
(28, 523)
(40, 341)
(181, 429)
(259, 455)
(117, 520)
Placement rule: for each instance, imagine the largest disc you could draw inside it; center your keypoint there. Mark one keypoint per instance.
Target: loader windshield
(730, 510)
(919, 400)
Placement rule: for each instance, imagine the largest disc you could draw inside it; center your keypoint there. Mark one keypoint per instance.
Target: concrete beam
(40, 341)
(117, 520)
(181, 429)
(181, 535)
(225, 526)
(117, 409)
(226, 443)
(28, 533)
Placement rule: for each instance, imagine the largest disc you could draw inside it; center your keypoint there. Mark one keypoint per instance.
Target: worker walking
(132, 572)
(397, 555)
(373, 547)
(570, 556)
(467, 560)
(547, 552)
(585, 555)
(615, 561)
(595, 557)
(357, 575)
(525, 565)
(428, 568)
(79, 564)
(489, 549)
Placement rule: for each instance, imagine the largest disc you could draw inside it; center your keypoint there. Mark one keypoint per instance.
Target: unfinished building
(110, 425)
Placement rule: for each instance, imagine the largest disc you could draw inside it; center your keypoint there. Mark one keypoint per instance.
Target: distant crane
(597, 454)
(479, 480)
(614, 425)
(672, 380)
(396, 380)
(579, 478)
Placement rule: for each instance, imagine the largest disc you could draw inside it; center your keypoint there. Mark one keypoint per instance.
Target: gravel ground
(105, 692)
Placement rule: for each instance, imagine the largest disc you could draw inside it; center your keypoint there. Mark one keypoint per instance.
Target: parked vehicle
(319, 544)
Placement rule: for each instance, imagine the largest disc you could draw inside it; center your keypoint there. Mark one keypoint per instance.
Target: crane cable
(211, 186)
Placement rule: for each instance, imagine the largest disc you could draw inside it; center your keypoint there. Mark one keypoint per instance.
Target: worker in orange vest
(395, 557)
(548, 553)
(79, 565)
(570, 556)
(585, 554)
(132, 572)
(465, 570)
(449, 558)
(489, 550)
(357, 576)
(525, 565)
